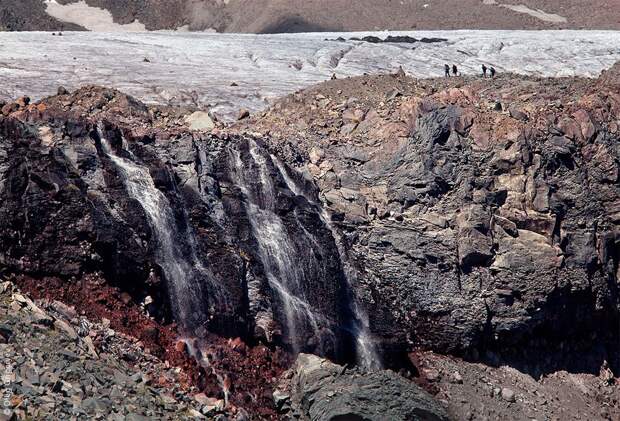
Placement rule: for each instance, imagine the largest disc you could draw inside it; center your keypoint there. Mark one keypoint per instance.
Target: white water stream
(368, 355)
(278, 254)
(183, 270)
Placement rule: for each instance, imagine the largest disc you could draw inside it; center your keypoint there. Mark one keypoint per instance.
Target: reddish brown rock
(10, 108)
(582, 118)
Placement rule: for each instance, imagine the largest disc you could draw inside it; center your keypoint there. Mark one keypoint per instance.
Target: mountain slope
(29, 15)
(269, 16)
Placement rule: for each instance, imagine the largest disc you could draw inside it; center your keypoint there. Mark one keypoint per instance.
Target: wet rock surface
(484, 226)
(110, 261)
(105, 195)
(316, 389)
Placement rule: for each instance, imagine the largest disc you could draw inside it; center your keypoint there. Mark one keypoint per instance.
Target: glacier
(226, 72)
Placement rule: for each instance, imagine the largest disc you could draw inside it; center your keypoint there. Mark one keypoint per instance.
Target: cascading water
(279, 254)
(290, 253)
(194, 350)
(183, 270)
(367, 354)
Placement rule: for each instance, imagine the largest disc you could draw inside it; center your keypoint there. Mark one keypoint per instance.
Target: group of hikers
(455, 70)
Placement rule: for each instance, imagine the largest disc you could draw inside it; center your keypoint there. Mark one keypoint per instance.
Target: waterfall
(201, 357)
(368, 355)
(183, 270)
(278, 253)
(290, 253)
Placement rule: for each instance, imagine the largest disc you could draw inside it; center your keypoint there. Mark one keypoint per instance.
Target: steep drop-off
(484, 212)
(208, 228)
(360, 220)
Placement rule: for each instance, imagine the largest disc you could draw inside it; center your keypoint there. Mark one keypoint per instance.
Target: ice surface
(198, 68)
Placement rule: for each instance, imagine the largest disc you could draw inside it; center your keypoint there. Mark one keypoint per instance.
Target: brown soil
(478, 392)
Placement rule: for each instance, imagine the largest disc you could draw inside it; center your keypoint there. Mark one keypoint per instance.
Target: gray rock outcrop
(318, 390)
(477, 233)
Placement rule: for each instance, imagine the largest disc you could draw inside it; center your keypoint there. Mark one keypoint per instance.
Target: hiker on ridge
(484, 71)
(492, 72)
(455, 71)
(447, 70)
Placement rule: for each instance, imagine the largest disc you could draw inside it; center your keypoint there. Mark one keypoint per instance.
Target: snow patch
(91, 18)
(539, 14)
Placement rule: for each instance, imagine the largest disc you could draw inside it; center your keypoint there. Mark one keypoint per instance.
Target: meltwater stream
(289, 265)
(367, 353)
(281, 256)
(277, 252)
(183, 270)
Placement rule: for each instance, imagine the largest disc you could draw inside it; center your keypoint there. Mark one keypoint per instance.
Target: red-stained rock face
(252, 370)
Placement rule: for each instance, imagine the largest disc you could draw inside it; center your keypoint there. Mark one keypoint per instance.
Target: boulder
(199, 121)
(243, 114)
(474, 240)
(323, 391)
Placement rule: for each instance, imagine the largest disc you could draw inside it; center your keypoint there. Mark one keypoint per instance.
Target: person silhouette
(455, 71)
(484, 71)
(446, 70)
(492, 71)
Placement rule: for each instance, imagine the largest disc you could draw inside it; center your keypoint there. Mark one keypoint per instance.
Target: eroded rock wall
(242, 254)
(480, 217)
(483, 213)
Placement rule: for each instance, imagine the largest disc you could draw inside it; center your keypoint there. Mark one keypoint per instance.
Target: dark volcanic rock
(320, 390)
(490, 235)
(393, 39)
(535, 185)
(209, 227)
(29, 15)
(154, 14)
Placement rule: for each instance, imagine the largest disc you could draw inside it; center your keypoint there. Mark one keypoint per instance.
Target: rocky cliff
(484, 213)
(361, 220)
(208, 228)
